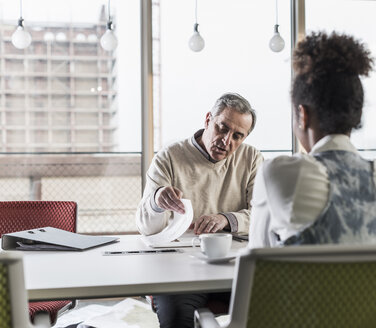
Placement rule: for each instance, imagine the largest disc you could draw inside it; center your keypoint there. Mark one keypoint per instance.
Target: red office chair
(24, 215)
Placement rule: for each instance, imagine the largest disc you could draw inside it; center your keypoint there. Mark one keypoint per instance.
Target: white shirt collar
(333, 142)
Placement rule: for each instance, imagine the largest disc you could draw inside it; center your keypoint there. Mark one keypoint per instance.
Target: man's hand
(168, 198)
(209, 223)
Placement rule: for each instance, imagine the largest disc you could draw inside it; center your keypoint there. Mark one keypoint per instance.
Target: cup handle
(194, 240)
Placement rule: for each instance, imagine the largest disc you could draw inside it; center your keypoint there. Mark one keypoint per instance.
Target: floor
(109, 313)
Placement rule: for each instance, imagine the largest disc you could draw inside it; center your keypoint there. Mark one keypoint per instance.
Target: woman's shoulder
(289, 168)
(292, 183)
(284, 163)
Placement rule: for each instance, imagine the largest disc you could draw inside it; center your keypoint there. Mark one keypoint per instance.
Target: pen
(147, 251)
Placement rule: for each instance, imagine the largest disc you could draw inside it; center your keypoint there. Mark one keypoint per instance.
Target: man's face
(224, 133)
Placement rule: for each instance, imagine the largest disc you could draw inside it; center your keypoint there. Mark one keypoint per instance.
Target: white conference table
(90, 274)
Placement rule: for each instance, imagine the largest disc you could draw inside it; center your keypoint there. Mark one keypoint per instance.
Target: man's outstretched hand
(168, 198)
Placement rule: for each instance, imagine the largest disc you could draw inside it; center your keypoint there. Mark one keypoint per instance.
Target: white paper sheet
(129, 313)
(177, 226)
(126, 314)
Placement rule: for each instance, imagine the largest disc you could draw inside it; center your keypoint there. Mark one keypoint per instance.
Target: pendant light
(276, 43)
(21, 38)
(108, 40)
(196, 42)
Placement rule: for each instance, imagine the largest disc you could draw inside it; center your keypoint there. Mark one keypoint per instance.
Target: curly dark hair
(327, 79)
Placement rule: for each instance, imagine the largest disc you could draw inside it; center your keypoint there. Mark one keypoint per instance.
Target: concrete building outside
(58, 125)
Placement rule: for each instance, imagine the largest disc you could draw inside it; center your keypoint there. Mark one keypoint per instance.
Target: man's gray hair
(236, 102)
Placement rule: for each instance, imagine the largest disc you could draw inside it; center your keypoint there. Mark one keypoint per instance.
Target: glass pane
(85, 67)
(89, 102)
(87, 137)
(37, 101)
(34, 66)
(60, 101)
(37, 47)
(269, 154)
(60, 67)
(85, 49)
(60, 47)
(61, 137)
(40, 119)
(14, 65)
(15, 118)
(38, 83)
(15, 136)
(39, 136)
(62, 119)
(14, 101)
(86, 119)
(236, 58)
(67, 96)
(87, 85)
(60, 84)
(355, 18)
(14, 83)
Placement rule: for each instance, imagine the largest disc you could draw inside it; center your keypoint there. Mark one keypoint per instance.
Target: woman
(329, 194)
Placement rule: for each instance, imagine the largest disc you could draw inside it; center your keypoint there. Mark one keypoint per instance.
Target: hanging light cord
(109, 7)
(276, 12)
(196, 12)
(20, 8)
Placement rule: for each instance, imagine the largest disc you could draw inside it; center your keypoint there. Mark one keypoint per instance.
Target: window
(236, 58)
(355, 18)
(70, 111)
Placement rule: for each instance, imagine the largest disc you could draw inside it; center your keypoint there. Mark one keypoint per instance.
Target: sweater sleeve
(149, 218)
(242, 217)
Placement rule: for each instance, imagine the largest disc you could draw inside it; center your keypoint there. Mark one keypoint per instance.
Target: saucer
(214, 260)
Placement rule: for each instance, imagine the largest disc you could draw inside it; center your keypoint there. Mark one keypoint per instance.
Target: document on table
(52, 239)
(170, 236)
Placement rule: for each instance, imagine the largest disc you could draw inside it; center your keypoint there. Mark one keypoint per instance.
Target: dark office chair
(302, 286)
(24, 215)
(216, 307)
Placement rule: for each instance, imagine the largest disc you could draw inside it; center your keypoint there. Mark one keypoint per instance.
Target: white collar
(333, 142)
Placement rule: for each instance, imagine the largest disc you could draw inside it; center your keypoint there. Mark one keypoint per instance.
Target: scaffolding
(59, 94)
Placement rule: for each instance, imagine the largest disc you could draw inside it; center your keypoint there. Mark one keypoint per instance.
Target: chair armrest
(205, 319)
(42, 320)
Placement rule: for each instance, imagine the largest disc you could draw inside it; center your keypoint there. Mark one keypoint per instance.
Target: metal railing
(106, 186)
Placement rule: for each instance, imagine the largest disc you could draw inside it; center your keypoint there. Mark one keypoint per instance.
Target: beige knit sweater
(221, 187)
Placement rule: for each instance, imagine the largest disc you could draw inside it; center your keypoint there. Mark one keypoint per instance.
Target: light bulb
(276, 43)
(21, 38)
(108, 40)
(196, 42)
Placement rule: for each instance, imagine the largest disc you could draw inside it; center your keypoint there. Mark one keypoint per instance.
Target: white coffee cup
(214, 245)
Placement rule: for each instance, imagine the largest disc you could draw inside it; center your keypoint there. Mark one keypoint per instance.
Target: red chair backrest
(24, 215)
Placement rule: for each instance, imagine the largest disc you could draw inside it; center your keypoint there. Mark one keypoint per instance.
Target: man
(216, 171)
